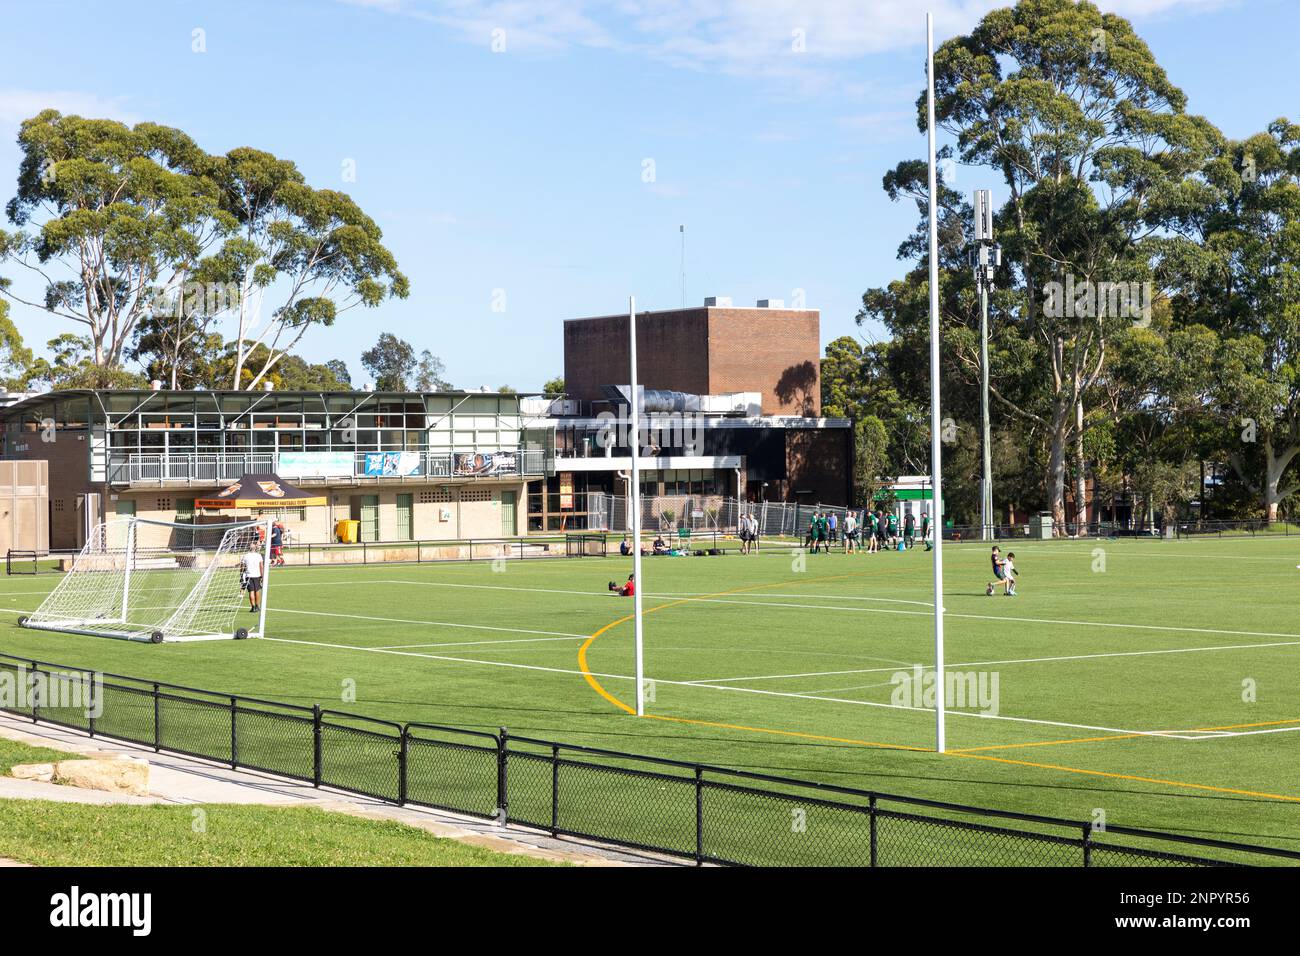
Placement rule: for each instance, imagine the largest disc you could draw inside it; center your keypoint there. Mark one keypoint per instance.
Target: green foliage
(554, 388)
(391, 361)
(115, 217)
(429, 372)
(15, 358)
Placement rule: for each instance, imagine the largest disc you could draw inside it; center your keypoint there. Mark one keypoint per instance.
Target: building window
(296, 514)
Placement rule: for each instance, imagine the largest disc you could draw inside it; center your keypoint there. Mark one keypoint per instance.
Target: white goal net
(155, 581)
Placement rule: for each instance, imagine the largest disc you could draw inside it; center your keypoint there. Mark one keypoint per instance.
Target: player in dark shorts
(999, 573)
(909, 529)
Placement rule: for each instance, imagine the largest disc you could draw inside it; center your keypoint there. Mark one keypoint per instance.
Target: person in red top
(626, 590)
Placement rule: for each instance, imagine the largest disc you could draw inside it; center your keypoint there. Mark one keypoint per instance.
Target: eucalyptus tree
(1234, 267)
(1093, 145)
(110, 218)
(314, 252)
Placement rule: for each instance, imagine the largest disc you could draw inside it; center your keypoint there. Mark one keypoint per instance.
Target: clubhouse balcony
(335, 467)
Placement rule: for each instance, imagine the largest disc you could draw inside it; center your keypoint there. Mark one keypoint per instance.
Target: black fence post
(402, 754)
(316, 746)
(503, 791)
(875, 839)
(234, 736)
(90, 705)
(34, 692)
(157, 719)
(699, 815)
(1087, 844)
(555, 790)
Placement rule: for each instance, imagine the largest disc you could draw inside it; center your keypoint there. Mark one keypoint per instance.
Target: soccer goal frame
(139, 579)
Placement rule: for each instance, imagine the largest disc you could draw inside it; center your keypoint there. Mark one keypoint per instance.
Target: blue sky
(523, 170)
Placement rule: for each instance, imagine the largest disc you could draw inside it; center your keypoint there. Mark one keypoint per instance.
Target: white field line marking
(1019, 660)
(399, 620)
(993, 617)
(684, 596)
(742, 690)
(522, 640)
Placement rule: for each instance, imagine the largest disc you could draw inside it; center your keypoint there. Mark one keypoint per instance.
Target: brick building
(714, 349)
(746, 380)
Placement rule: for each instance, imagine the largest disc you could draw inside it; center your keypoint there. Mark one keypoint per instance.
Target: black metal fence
(688, 810)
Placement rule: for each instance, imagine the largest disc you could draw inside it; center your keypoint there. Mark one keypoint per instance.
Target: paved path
(177, 779)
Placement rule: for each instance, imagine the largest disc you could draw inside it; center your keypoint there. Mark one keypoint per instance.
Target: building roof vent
(718, 302)
(771, 303)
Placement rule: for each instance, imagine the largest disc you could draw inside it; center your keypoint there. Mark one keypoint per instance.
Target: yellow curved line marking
(1125, 776)
(596, 685)
(1047, 743)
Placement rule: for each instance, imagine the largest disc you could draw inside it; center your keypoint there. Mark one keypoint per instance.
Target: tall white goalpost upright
(634, 439)
(935, 425)
(144, 580)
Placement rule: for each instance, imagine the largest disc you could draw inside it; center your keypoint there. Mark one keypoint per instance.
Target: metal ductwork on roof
(654, 399)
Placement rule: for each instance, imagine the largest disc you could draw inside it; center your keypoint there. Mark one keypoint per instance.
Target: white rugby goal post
(144, 580)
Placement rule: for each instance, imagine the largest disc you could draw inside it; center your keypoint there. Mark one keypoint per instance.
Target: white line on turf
(399, 620)
(741, 690)
(522, 640)
(1019, 660)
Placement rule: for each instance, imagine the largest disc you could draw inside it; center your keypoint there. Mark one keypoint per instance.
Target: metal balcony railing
(161, 469)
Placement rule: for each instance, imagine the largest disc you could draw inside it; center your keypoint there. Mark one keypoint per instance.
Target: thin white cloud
(800, 39)
(18, 105)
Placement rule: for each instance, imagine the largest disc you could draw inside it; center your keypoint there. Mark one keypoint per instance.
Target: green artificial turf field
(1157, 682)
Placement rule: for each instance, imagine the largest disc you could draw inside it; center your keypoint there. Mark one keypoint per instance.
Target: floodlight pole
(634, 440)
(986, 257)
(935, 425)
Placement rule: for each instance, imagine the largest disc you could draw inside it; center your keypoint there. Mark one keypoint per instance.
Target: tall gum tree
(109, 218)
(1092, 142)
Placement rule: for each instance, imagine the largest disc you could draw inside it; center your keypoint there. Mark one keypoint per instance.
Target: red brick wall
(672, 353)
(69, 458)
(705, 351)
(773, 351)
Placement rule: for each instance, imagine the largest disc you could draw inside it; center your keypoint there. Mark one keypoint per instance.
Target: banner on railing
(479, 463)
(393, 464)
(315, 464)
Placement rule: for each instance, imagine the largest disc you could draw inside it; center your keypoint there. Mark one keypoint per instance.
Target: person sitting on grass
(626, 590)
(624, 548)
(660, 546)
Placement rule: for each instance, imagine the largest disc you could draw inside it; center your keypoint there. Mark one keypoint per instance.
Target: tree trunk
(1080, 478)
(1056, 466)
(1274, 467)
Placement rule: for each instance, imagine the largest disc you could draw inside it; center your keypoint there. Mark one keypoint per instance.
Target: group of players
(873, 531)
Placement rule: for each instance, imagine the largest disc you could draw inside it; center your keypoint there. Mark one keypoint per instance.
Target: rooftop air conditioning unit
(718, 302)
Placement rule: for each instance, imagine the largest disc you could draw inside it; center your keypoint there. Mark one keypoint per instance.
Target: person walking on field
(850, 532)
